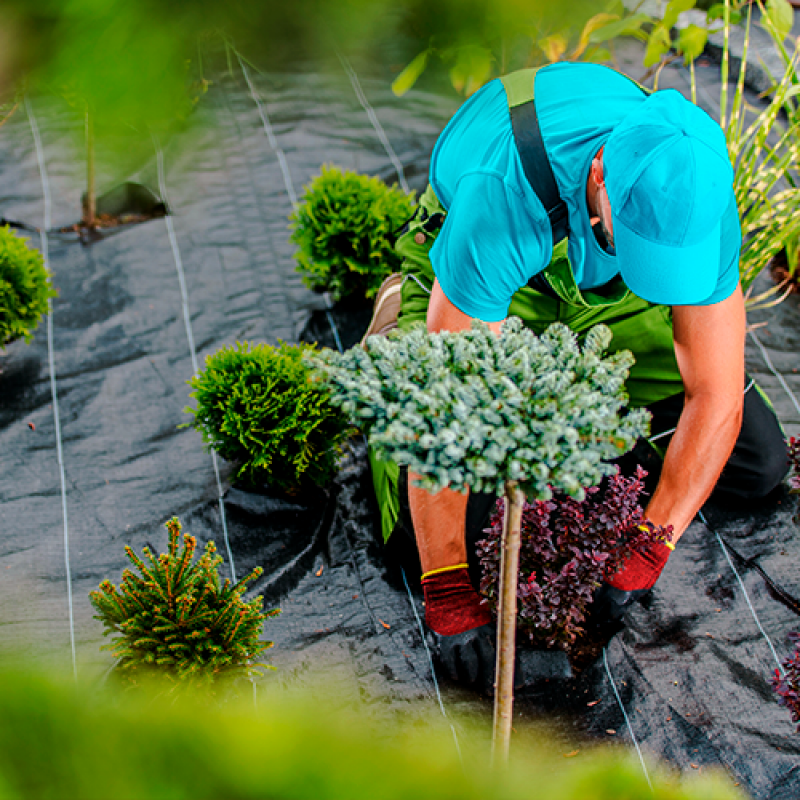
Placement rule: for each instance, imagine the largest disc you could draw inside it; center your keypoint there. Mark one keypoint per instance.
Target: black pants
(758, 464)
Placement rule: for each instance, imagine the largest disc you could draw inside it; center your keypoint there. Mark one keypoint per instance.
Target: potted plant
(176, 619)
(344, 228)
(25, 288)
(507, 414)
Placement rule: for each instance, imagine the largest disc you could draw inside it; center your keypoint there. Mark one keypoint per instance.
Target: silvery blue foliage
(472, 410)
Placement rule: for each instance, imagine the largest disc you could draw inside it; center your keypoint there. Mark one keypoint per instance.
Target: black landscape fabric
(138, 311)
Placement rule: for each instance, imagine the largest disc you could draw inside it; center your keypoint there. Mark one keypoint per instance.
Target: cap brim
(676, 276)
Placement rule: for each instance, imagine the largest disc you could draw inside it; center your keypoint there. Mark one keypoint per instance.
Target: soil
(779, 269)
(106, 223)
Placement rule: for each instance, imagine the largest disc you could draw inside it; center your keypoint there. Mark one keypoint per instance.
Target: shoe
(386, 309)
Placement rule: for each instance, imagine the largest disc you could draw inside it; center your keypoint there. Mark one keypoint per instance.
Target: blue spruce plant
(471, 410)
(513, 414)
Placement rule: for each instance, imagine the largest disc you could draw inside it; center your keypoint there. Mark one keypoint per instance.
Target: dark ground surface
(692, 666)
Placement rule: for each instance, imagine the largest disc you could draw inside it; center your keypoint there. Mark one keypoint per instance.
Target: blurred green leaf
(780, 15)
(674, 9)
(554, 46)
(410, 75)
(595, 23)
(717, 12)
(691, 42)
(658, 45)
(472, 68)
(628, 26)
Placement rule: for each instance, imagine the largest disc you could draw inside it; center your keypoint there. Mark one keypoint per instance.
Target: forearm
(700, 448)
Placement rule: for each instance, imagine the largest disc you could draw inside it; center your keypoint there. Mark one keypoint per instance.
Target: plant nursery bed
(94, 455)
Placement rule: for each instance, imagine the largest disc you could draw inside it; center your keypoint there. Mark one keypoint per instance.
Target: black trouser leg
(757, 465)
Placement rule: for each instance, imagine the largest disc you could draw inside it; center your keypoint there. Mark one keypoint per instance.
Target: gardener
(598, 203)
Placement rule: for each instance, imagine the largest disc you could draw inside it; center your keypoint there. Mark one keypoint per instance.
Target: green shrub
(24, 288)
(471, 410)
(256, 406)
(344, 228)
(178, 619)
(59, 740)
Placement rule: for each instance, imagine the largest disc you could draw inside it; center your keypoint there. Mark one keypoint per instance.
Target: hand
(468, 658)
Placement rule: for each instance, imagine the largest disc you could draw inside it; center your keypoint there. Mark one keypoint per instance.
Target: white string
(187, 322)
(373, 118)
(775, 372)
(627, 720)
(744, 590)
(52, 367)
(273, 142)
(433, 671)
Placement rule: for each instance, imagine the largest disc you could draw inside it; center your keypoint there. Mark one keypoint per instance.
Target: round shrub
(566, 547)
(257, 406)
(177, 618)
(344, 228)
(24, 288)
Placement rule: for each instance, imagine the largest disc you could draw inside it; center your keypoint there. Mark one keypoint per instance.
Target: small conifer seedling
(24, 288)
(508, 414)
(256, 406)
(344, 228)
(177, 618)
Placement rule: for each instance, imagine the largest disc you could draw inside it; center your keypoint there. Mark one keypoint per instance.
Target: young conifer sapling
(512, 414)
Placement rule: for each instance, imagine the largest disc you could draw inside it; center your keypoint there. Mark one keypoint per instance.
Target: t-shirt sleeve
(492, 242)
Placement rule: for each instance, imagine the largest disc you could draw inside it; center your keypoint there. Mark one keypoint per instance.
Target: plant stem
(507, 622)
(90, 210)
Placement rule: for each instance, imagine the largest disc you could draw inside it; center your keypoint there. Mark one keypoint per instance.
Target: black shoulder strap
(536, 164)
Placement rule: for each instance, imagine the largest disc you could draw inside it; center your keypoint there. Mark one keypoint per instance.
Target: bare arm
(439, 519)
(709, 348)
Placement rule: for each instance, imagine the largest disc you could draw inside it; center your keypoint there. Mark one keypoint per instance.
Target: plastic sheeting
(93, 457)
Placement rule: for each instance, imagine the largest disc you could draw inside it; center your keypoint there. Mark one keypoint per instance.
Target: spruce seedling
(513, 414)
(178, 619)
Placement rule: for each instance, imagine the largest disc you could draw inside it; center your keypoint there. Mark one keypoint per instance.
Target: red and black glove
(463, 633)
(641, 570)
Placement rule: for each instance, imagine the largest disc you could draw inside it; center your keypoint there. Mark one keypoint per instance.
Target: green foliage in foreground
(344, 228)
(471, 410)
(24, 288)
(62, 741)
(257, 406)
(177, 618)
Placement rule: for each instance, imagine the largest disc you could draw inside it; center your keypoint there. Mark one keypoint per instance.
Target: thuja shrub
(257, 407)
(24, 288)
(787, 684)
(566, 547)
(176, 618)
(344, 228)
(472, 410)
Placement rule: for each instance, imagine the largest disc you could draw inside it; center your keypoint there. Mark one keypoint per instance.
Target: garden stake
(507, 622)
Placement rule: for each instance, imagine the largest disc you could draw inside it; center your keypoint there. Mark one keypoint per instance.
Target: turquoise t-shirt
(496, 235)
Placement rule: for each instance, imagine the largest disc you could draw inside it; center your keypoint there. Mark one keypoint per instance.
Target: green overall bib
(641, 327)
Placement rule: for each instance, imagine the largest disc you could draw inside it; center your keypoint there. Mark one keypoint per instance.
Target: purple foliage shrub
(794, 460)
(566, 547)
(788, 685)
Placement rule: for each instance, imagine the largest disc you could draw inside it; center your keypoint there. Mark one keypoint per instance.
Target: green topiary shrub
(344, 228)
(257, 406)
(471, 410)
(177, 618)
(24, 288)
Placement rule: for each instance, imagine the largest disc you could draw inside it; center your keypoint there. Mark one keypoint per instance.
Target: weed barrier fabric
(691, 668)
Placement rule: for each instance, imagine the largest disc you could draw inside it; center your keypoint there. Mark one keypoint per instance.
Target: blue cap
(670, 185)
